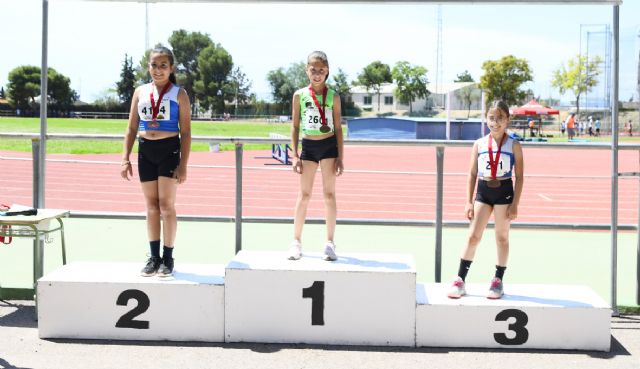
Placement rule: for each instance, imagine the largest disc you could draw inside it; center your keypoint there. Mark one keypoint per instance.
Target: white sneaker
(330, 251)
(295, 250)
(457, 289)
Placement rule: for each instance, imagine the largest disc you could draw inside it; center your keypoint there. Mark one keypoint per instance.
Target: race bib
(145, 112)
(504, 165)
(314, 121)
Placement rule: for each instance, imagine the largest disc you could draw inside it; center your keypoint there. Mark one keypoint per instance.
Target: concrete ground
(20, 348)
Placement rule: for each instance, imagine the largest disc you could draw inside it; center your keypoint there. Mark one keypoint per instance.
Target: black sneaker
(152, 267)
(166, 268)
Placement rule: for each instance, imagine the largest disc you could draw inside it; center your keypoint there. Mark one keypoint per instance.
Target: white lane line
(545, 197)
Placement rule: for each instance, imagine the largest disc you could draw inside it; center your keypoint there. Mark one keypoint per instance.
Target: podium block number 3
(127, 320)
(518, 326)
(316, 294)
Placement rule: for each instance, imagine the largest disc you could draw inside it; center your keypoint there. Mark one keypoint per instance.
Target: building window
(388, 100)
(367, 100)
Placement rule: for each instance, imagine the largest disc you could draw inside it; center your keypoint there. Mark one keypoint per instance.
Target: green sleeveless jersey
(310, 114)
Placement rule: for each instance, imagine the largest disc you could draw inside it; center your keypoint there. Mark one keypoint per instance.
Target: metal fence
(438, 223)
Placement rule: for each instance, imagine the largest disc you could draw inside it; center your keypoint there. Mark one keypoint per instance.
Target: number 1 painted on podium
(316, 294)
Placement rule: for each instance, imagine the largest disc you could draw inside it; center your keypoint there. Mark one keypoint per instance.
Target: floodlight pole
(38, 200)
(614, 160)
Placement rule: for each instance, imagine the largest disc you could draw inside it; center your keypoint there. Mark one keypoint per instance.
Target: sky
(88, 40)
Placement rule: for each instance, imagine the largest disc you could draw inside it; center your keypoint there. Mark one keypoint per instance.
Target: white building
(368, 100)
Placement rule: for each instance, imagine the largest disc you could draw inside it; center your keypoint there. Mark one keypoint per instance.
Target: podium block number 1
(127, 320)
(316, 294)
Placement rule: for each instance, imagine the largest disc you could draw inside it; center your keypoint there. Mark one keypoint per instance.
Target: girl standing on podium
(494, 159)
(160, 117)
(317, 109)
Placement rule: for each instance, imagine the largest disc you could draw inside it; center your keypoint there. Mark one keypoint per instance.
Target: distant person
(532, 126)
(160, 117)
(571, 124)
(598, 126)
(590, 126)
(630, 128)
(493, 161)
(317, 109)
(563, 128)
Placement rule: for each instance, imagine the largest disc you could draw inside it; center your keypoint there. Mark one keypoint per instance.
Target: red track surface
(566, 186)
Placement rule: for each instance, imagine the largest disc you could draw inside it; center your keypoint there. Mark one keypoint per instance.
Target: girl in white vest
(316, 109)
(160, 117)
(494, 160)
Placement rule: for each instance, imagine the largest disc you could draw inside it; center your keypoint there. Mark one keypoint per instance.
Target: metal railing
(438, 223)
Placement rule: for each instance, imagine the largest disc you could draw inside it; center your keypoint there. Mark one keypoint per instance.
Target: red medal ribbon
(494, 164)
(155, 108)
(323, 116)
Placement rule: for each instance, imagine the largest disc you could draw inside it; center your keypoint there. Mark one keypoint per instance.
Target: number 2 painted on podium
(127, 321)
(316, 294)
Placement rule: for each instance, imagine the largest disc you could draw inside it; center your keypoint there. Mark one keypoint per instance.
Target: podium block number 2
(316, 294)
(127, 320)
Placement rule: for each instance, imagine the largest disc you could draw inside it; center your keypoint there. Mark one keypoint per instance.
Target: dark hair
(165, 51)
(319, 55)
(500, 105)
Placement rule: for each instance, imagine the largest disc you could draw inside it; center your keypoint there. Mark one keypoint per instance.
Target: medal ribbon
(155, 108)
(323, 116)
(494, 164)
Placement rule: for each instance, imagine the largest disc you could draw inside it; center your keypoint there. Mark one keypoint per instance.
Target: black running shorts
(502, 195)
(316, 150)
(158, 158)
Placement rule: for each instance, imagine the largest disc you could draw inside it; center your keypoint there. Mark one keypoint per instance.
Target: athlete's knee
(474, 239)
(304, 195)
(167, 206)
(329, 195)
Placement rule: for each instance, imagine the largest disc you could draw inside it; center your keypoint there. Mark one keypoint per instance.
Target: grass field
(118, 126)
(199, 128)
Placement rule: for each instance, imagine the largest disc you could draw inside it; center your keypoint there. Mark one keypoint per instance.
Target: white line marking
(545, 197)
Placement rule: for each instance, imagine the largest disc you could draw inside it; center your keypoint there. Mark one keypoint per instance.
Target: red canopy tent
(534, 108)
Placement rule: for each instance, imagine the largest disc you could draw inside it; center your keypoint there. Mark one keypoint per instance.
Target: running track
(561, 186)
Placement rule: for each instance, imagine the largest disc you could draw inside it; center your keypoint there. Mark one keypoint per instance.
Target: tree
(464, 77)
(284, 83)
(108, 101)
(142, 70)
(241, 87)
(373, 76)
(61, 96)
(341, 86)
(23, 87)
(187, 47)
(468, 93)
(2, 95)
(502, 79)
(127, 84)
(411, 82)
(579, 77)
(212, 85)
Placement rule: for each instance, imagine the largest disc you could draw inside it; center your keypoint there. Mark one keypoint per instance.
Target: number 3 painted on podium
(522, 334)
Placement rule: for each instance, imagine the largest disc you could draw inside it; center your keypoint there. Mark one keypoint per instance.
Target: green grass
(118, 126)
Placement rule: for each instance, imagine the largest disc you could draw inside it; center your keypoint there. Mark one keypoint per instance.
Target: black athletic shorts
(158, 158)
(316, 150)
(502, 195)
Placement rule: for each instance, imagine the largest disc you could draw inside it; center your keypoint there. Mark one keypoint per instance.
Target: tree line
(206, 70)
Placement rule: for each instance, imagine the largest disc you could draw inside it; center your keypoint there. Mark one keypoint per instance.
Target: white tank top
(505, 165)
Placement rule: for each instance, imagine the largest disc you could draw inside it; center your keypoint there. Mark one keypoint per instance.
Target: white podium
(528, 316)
(360, 299)
(112, 301)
